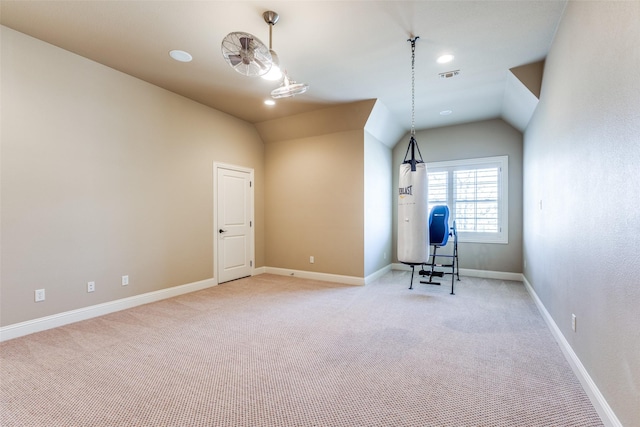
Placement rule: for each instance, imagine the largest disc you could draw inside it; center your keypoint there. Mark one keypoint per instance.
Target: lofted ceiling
(344, 50)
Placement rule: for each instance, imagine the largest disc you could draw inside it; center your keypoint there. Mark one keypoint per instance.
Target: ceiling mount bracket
(271, 17)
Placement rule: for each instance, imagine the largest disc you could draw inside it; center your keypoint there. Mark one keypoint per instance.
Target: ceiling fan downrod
(271, 18)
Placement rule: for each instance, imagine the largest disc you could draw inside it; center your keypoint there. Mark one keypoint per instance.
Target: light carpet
(281, 351)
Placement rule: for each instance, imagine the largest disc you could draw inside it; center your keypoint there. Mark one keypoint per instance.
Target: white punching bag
(413, 218)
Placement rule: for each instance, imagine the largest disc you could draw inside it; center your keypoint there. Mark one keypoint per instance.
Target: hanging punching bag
(413, 215)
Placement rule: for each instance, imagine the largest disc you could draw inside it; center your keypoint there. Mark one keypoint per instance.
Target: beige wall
(481, 139)
(582, 160)
(328, 189)
(314, 203)
(104, 175)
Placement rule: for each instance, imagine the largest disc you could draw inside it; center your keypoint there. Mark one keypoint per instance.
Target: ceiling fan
(289, 88)
(246, 54)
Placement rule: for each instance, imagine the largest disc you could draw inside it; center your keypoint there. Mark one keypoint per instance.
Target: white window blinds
(476, 192)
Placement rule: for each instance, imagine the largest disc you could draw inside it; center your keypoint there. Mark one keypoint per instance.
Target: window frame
(502, 163)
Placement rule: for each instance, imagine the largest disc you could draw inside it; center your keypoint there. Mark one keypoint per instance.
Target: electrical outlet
(573, 322)
(91, 286)
(39, 295)
(125, 280)
(311, 259)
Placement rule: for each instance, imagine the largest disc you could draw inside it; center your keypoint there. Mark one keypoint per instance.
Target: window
(476, 192)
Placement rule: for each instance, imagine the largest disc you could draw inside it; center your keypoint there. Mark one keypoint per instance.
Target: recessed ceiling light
(269, 102)
(443, 59)
(445, 112)
(181, 55)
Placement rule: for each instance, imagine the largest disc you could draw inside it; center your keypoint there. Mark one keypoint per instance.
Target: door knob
(222, 231)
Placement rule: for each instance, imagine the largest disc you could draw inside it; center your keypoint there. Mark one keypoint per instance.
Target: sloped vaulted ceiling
(346, 51)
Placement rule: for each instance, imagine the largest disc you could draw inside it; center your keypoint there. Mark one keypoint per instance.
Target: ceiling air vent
(449, 74)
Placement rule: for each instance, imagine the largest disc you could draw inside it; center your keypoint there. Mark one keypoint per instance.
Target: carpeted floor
(282, 351)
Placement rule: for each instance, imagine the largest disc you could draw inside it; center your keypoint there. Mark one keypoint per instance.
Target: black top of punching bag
(413, 145)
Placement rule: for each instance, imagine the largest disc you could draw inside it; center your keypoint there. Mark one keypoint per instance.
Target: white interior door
(234, 223)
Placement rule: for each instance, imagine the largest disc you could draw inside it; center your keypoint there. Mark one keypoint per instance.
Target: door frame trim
(252, 249)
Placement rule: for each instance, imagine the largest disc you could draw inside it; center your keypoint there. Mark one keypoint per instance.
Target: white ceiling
(344, 50)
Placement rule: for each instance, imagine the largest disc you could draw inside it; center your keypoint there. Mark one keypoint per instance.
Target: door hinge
(250, 183)
(250, 263)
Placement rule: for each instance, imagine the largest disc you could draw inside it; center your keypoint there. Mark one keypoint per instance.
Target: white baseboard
(485, 274)
(597, 399)
(336, 278)
(351, 280)
(376, 275)
(43, 323)
(488, 274)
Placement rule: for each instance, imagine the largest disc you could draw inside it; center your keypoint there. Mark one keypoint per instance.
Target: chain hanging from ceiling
(413, 84)
(413, 145)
